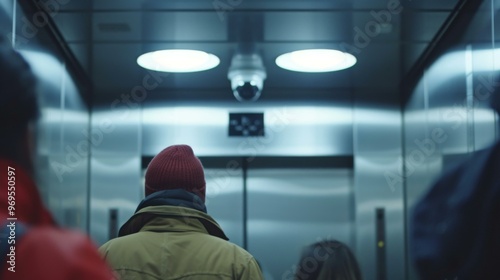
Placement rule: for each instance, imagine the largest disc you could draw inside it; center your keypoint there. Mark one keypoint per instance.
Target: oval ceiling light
(178, 61)
(316, 60)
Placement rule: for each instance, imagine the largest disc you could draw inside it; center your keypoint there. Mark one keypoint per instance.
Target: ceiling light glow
(178, 61)
(316, 60)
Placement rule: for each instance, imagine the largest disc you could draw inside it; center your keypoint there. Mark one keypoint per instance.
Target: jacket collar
(173, 197)
(164, 218)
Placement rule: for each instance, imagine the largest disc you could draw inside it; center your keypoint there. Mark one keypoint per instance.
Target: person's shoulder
(61, 253)
(118, 242)
(57, 238)
(126, 240)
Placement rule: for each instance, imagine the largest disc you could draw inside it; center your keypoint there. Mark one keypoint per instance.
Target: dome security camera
(247, 75)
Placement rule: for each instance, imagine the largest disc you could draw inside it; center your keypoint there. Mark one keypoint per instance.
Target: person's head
(18, 107)
(328, 260)
(176, 167)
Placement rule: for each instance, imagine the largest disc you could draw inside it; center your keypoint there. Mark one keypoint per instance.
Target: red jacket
(44, 251)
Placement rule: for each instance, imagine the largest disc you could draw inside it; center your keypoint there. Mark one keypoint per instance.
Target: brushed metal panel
(290, 129)
(483, 87)
(378, 184)
(115, 167)
(447, 101)
(183, 26)
(224, 200)
(485, 128)
(115, 184)
(423, 155)
(62, 148)
(291, 208)
(73, 180)
(115, 131)
(6, 16)
(117, 26)
(306, 26)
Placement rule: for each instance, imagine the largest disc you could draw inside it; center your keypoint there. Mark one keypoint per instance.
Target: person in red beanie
(32, 246)
(171, 236)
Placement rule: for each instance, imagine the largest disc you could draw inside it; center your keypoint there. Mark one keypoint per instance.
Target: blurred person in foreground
(171, 236)
(32, 246)
(455, 227)
(328, 260)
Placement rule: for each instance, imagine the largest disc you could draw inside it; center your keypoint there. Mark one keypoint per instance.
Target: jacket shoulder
(214, 256)
(56, 254)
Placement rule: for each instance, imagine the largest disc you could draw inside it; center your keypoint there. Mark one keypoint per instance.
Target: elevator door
(224, 200)
(291, 208)
(275, 206)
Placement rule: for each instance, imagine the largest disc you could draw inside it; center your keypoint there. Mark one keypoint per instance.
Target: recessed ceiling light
(316, 60)
(178, 61)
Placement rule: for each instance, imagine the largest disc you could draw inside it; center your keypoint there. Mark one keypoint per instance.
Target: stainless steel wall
(62, 147)
(115, 169)
(377, 165)
(448, 116)
(290, 129)
(289, 209)
(225, 200)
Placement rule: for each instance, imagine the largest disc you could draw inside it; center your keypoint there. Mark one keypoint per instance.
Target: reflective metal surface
(116, 176)
(289, 209)
(378, 184)
(62, 148)
(224, 200)
(290, 129)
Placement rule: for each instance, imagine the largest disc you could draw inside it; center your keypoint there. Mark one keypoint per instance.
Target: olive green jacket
(173, 242)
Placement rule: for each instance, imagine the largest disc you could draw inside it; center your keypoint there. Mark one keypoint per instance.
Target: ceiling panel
(116, 4)
(307, 26)
(386, 36)
(222, 7)
(378, 66)
(422, 26)
(183, 26)
(368, 27)
(114, 66)
(116, 26)
(430, 4)
(75, 27)
(68, 5)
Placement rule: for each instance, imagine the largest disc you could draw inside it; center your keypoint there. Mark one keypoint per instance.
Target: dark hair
(18, 105)
(329, 259)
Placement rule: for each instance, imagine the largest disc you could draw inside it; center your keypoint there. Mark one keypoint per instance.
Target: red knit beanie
(176, 167)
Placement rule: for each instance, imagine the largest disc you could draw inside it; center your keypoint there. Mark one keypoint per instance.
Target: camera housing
(247, 75)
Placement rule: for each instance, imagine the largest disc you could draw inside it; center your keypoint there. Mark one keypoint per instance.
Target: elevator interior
(344, 155)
